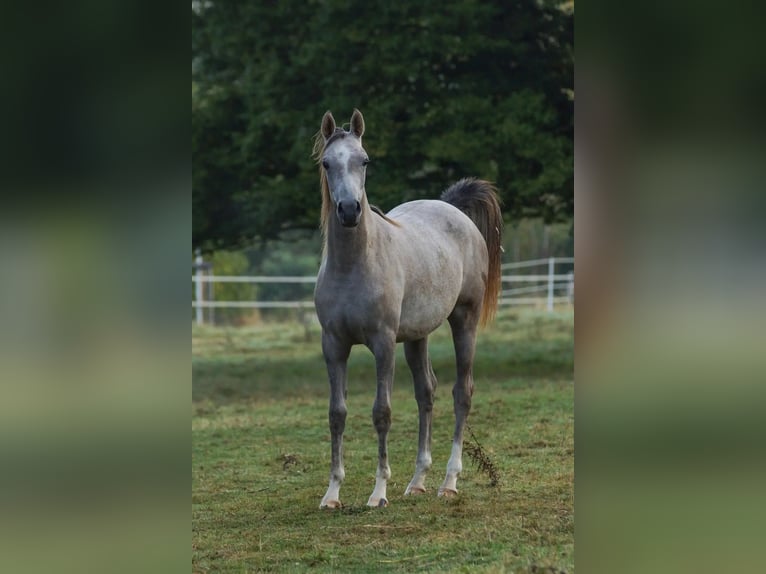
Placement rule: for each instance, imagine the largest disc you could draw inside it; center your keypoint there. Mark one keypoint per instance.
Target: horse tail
(478, 200)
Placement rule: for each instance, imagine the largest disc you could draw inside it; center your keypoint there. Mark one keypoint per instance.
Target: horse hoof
(331, 504)
(447, 492)
(415, 490)
(380, 503)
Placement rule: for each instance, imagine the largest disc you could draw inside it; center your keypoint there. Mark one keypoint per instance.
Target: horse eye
(366, 161)
(325, 164)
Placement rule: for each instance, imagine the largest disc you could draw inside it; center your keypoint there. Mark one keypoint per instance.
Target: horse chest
(352, 311)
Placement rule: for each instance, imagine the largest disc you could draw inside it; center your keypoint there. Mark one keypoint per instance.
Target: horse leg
(463, 322)
(336, 356)
(416, 353)
(383, 349)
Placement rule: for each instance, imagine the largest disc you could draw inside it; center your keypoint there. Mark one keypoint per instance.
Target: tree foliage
(448, 89)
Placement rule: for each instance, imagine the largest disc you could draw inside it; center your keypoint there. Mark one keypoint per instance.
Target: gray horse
(394, 277)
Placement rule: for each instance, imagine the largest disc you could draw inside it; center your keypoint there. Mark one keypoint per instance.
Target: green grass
(261, 448)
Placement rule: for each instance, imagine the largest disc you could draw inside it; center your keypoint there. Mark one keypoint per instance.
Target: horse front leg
(336, 358)
(463, 322)
(383, 349)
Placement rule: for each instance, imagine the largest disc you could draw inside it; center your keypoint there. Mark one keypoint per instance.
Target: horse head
(344, 161)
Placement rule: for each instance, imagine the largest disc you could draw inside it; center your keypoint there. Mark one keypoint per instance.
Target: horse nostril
(346, 215)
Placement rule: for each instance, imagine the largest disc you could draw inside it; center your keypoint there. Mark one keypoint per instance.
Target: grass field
(261, 448)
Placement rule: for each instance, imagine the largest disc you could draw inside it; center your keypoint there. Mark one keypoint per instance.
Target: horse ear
(328, 124)
(357, 123)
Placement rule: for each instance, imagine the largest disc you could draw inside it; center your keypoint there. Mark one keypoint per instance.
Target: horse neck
(347, 247)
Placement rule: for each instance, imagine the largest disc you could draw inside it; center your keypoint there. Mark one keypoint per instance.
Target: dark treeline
(448, 89)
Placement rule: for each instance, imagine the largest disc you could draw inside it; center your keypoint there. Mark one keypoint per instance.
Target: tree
(448, 90)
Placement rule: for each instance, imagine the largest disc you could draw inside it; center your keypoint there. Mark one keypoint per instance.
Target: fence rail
(253, 304)
(548, 283)
(534, 262)
(253, 279)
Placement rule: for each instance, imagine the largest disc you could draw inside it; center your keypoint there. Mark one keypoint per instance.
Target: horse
(395, 277)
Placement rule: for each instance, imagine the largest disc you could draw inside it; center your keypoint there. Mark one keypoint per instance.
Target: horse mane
(318, 151)
(316, 154)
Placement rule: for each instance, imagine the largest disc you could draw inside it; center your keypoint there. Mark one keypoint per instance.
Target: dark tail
(478, 200)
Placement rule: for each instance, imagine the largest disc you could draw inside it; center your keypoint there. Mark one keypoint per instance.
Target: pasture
(261, 450)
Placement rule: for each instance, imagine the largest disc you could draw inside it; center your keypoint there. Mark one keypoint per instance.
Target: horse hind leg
(424, 380)
(463, 321)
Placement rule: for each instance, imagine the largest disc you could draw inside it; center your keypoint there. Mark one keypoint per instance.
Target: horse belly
(432, 286)
(424, 312)
(414, 330)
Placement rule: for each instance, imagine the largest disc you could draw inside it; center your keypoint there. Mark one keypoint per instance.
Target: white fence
(542, 287)
(547, 283)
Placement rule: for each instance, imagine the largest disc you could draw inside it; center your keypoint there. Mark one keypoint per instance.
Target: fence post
(551, 265)
(210, 295)
(198, 287)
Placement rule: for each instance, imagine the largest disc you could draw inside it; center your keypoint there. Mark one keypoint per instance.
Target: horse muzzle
(349, 213)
